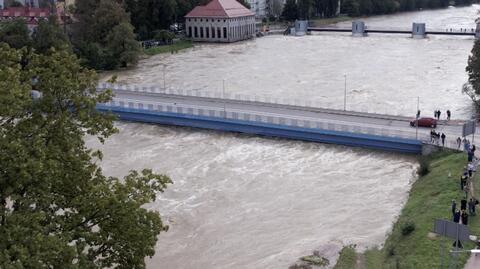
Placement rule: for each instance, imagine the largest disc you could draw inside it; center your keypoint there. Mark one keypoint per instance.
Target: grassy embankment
(430, 198)
(327, 21)
(180, 45)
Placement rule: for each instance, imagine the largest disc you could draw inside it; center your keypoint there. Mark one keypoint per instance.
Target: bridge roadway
(391, 124)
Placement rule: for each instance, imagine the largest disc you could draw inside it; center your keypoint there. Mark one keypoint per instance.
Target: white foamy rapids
(249, 202)
(384, 73)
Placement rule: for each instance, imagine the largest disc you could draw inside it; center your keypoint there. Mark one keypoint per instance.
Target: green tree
(244, 3)
(57, 209)
(49, 35)
(351, 7)
(94, 29)
(150, 15)
(122, 46)
(290, 10)
(473, 70)
(305, 8)
(15, 33)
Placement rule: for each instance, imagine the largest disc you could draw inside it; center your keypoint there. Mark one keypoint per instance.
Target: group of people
(438, 113)
(435, 137)
(461, 215)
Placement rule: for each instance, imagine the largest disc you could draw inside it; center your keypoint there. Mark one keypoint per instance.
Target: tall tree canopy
(96, 22)
(57, 209)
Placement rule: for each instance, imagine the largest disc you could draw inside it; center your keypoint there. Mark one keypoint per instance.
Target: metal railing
(266, 118)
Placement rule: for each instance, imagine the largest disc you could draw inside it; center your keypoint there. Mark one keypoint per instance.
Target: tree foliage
(15, 33)
(290, 10)
(49, 35)
(57, 209)
(98, 22)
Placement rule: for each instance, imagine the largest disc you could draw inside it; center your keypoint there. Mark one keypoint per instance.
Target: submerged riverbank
(411, 243)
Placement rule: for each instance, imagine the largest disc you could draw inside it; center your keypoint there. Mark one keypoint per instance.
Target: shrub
(424, 167)
(408, 227)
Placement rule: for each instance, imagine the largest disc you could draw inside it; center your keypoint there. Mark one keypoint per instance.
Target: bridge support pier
(358, 28)
(418, 30)
(477, 30)
(301, 28)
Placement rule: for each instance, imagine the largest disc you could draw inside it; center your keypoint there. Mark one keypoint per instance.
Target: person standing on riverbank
(454, 207)
(443, 139)
(449, 114)
(459, 142)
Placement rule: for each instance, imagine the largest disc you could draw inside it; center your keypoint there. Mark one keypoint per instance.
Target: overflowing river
(247, 202)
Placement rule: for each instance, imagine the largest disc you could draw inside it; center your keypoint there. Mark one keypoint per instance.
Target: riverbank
(175, 47)
(411, 243)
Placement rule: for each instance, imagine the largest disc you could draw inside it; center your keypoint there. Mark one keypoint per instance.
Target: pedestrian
(454, 207)
(473, 149)
(443, 139)
(432, 136)
(463, 182)
(464, 217)
(459, 142)
(456, 216)
(463, 204)
(449, 114)
(437, 137)
(439, 113)
(435, 113)
(469, 156)
(471, 207)
(470, 169)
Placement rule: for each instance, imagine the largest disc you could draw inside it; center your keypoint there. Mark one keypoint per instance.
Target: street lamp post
(345, 94)
(164, 67)
(418, 115)
(224, 101)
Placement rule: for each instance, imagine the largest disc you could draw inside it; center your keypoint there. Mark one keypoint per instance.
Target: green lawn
(183, 44)
(430, 198)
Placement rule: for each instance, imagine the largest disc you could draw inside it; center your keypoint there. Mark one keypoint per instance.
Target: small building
(220, 21)
(31, 15)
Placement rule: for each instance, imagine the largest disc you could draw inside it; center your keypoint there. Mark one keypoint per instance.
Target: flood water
(247, 202)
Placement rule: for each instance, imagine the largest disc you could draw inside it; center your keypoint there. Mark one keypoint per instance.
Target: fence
(265, 99)
(266, 118)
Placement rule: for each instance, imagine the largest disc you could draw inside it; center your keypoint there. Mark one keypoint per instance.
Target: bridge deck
(348, 121)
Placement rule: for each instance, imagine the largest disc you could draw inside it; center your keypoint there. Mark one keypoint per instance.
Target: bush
(408, 227)
(424, 167)
(164, 36)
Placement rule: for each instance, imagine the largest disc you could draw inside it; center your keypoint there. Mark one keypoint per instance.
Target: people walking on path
(454, 207)
(471, 207)
(463, 204)
(464, 217)
(456, 216)
(443, 139)
(439, 113)
(418, 113)
(449, 114)
(459, 142)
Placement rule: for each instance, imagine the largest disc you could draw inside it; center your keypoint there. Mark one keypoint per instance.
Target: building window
(201, 19)
(195, 19)
(207, 32)
(190, 31)
(219, 33)
(201, 32)
(225, 32)
(218, 20)
(213, 32)
(189, 19)
(195, 31)
(224, 20)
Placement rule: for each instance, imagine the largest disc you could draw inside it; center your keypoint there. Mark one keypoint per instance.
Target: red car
(424, 122)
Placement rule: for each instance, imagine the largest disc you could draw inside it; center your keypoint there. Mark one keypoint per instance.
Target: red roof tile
(220, 9)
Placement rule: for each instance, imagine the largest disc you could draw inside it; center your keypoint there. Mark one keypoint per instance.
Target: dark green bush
(424, 167)
(408, 227)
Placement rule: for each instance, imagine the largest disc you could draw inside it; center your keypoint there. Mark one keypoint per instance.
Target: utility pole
(345, 94)
(224, 101)
(164, 88)
(418, 115)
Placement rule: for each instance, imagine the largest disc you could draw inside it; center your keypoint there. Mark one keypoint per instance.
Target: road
(392, 124)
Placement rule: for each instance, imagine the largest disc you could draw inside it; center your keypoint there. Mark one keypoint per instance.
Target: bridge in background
(270, 117)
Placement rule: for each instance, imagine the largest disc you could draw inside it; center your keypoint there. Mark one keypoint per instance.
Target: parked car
(424, 122)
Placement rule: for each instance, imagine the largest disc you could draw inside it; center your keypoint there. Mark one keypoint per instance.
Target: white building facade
(220, 21)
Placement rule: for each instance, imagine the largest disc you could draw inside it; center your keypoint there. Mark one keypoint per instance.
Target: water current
(247, 202)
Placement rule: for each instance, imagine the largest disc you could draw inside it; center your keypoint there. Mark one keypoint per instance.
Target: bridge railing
(303, 122)
(361, 108)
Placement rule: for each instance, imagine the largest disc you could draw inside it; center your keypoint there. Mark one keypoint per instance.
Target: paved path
(390, 123)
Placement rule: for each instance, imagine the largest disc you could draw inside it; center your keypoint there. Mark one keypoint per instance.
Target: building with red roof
(32, 15)
(220, 21)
